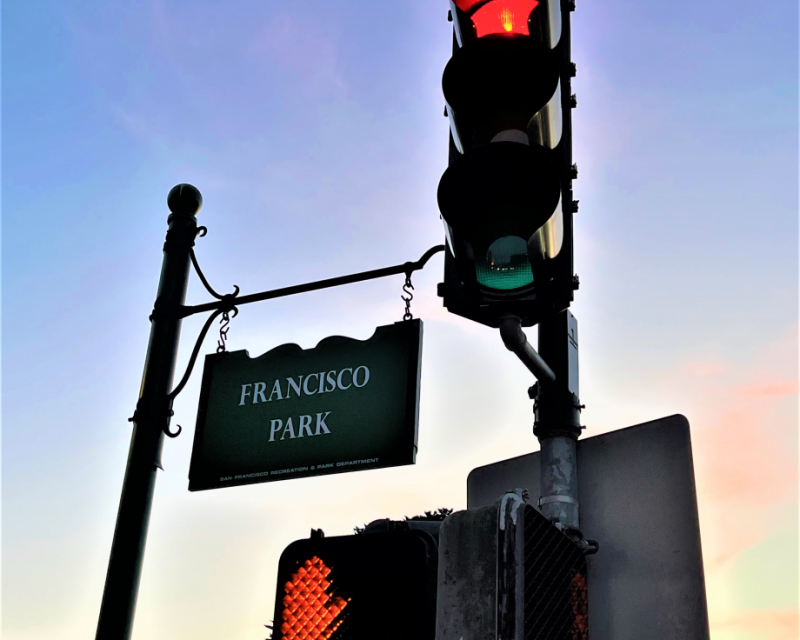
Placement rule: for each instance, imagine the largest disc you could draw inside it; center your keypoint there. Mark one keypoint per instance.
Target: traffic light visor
(500, 189)
(495, 84)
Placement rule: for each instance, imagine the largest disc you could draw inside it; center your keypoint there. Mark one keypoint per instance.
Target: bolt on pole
(150, 420)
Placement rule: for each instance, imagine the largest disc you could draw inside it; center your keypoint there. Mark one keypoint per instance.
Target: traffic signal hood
(502, 199)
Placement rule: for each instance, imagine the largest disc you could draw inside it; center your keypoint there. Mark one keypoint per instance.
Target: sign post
(150, 421)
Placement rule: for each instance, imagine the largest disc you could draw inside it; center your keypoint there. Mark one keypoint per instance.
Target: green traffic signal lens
(505, 265)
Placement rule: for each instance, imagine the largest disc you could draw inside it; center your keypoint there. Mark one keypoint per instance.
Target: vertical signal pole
(557, 407)
(150, 420)
(557, 424)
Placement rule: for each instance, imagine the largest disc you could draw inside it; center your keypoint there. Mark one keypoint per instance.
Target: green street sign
(346, 405)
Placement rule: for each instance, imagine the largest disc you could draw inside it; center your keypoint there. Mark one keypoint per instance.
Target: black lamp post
(150, 420)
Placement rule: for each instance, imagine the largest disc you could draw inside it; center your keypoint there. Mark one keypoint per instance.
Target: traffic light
(506, 196)
(359, 587)
(507, 572)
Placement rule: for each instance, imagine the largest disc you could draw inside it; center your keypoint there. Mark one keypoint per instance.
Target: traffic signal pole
(556, 408)
(150, 421)
(557, 419)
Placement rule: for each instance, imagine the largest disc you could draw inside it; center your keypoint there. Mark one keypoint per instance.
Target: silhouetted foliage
(440, 514)
(436, 516)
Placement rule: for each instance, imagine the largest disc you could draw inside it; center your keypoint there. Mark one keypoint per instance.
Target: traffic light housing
(506, 197)
(507, 572)
(358, 587)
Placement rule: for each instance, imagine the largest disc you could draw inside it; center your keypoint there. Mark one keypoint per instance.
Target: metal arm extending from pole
(231, 301)
(516, 341)
(407, 268)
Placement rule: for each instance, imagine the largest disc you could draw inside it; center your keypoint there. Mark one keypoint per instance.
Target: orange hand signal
(308, 612)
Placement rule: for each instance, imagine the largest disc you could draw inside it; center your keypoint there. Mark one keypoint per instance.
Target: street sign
(346, 405)
(637, 499)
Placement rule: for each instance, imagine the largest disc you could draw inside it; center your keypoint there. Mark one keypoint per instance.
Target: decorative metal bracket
(228, 303)
(406, 267)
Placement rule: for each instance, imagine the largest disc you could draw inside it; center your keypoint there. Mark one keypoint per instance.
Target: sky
(314, 131)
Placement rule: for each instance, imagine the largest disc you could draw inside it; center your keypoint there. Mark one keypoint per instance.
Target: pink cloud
(788, 388)
(739, 455)
(765, 624)
(703, 368)
(744, 438)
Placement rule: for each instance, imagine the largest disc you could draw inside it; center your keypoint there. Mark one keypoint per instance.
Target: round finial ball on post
(184, 198)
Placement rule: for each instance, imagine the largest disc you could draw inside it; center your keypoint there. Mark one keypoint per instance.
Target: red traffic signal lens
(499, 16)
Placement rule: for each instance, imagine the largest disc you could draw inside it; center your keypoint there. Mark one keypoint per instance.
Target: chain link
(407, 288)
(224, 322)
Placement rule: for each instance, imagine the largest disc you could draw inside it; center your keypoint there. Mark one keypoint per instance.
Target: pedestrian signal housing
(359, 587)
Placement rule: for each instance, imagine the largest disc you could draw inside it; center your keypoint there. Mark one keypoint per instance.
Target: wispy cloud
(787, 388)
(744, 437)
(704, 368)
(295, 45)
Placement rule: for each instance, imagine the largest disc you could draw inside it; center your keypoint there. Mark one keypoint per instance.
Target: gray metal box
(467, 586)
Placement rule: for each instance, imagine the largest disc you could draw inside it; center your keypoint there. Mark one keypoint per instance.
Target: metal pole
(557, 425)
(151, 418)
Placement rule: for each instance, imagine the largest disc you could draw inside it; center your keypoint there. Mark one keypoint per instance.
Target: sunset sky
(315, 132)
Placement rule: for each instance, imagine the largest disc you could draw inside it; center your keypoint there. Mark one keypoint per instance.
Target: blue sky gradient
(315, 132)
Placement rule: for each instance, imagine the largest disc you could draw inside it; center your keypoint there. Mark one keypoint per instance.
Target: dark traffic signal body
(506, 197)
(358, 587)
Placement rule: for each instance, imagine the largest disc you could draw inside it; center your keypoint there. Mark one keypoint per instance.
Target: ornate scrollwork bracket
(226, 305)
